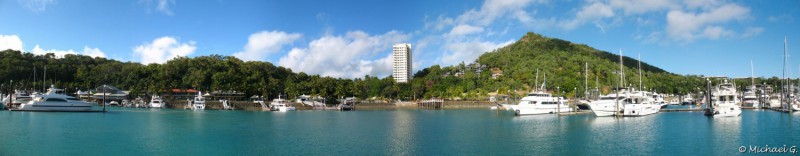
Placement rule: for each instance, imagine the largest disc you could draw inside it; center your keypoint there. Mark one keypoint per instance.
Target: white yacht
(609, 105)
(750, 99)
(639, 104)
(775, 101)
(199, 102)
(724, 101)
(540, 103)
(280, 105)
(688, 100)
(55, 100)
(20, 97)
(156, 102)
(348, 104)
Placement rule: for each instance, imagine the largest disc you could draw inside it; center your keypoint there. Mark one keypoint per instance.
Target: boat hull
(536, 111)
(727, 111)
(49, 107)
(640, 109)
(156, 105)
(604, 108)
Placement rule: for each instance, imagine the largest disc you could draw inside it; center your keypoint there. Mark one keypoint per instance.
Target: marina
(380, 132)
(429, 78)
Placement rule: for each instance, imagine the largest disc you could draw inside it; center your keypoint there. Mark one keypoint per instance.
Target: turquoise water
(125, 131)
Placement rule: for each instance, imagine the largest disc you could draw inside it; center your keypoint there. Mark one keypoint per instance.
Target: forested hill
(564, 61)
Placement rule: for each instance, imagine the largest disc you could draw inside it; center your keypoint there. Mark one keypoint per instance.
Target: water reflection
(401, 140)
(726, 133)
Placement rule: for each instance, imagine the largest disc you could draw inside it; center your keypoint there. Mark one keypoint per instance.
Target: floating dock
(781, 109)
(683, 110)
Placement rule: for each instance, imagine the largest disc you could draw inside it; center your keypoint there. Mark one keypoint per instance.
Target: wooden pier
(431, 104)
(781, 109)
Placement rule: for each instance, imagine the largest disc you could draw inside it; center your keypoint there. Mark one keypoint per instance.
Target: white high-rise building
(402, 62)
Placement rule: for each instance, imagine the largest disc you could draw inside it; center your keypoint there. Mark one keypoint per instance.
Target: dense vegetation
(562, 62)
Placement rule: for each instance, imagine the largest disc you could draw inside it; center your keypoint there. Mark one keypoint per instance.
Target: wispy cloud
(37, 5)
(162, 6)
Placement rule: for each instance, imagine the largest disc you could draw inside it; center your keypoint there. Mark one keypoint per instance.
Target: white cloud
(464, 29)
(163, 49)
(349, 56)
(703, 4)
(88, 51)
(160, 5)
(10, 42)
(686, 25)
(715, 32)
(36, 5)
(631, 7)
(263, 43)
(780, 18)
(469, 51)
(593, 11)
(490, 11)
(752, 31)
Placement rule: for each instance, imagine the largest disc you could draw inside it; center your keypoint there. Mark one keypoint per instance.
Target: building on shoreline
(401, 54)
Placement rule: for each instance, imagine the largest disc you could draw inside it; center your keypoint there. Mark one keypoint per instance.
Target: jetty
(683, 110)
(431, 104)
(779, 109)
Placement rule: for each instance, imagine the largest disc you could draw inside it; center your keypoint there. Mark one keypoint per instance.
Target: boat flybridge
(539, 103)
(55, 100)
(724, 101)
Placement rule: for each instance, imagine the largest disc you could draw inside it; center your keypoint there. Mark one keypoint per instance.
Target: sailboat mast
(544, 84)
(752, 74)
(783, 80)
(44, 80)
(586, 81)
(536, 82)
(640, 71)
(621, 71)
(34, 79)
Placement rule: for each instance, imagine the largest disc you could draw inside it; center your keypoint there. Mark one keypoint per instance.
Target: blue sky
(352, 38)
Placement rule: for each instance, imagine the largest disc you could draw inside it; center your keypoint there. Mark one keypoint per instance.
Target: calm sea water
(125, 131)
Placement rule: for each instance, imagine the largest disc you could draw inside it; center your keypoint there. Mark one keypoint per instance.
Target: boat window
(56, 99)
(73, 99)
(532, 102)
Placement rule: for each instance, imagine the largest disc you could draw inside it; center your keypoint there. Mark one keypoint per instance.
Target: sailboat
(609, 105)
(749, 98)
(640, 103)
